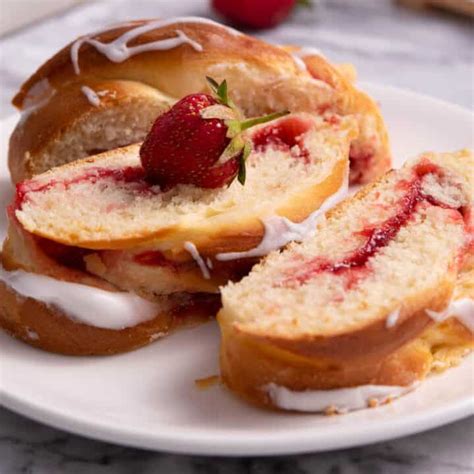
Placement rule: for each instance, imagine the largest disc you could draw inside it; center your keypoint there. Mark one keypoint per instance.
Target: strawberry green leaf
(242, 169)
(222, 92)
(247, 150)
(212, 84)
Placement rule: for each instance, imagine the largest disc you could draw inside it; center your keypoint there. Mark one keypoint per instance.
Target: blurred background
(419, 47)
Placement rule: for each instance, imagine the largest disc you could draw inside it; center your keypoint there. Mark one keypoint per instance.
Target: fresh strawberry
(199, 141)
(256, 13)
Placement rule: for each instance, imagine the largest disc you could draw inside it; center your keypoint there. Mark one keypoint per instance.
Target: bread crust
(41, 130)
(373, 355)
(247, 367)
(370, 352)
(249, 65)
(372, 146)
(51, 327)
(52, 330)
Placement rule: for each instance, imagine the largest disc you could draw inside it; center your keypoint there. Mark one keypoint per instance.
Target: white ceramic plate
(148, 399)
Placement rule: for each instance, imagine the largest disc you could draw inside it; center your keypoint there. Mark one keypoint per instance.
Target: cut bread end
(70, 316)
(349, 306)
(101, 115)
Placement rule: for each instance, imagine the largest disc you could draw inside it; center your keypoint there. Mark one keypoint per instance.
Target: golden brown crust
(249, 65)
(370, 339)
(376, 355)
(371, 148)
(356, 357)
(246, 367)
(180, 63)
(51, 329)
(42, 128)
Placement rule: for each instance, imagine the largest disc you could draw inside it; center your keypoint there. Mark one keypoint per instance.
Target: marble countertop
(428, 52)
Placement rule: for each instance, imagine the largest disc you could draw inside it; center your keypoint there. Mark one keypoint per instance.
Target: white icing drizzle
(209, 263)
(299, 62)
(392, 318)
(91, 96)
(32, 334)
(38, 96)
(38, 92)
(279, 230)
(462, 309)
(118, 51)
(339, 400)
(307, 51)
(82, 303)
(191, 248)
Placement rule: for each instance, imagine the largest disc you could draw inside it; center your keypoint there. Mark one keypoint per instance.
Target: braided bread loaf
(99, 222)
(104, 90)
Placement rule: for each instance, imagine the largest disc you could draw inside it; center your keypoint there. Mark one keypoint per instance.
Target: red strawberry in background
(256, 13)
(199, 141)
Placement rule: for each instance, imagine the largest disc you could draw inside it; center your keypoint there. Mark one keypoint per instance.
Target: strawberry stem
(245, 124)
(220, 92)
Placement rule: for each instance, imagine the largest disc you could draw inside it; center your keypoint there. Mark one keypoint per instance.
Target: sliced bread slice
(347, 307)
(105, 202)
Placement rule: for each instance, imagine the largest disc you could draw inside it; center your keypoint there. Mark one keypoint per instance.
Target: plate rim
(196, 442)
(200, 444)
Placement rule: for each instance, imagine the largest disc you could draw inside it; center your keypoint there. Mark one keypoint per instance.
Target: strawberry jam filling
(354, 266)
(360, 159)
(231, 270)
(286, 134)
(132, 175)
(155, 258)
(66, 255)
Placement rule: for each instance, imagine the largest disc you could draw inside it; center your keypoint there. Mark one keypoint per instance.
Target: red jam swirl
(284, 135)
(377, 237)
(360, 159)
(155, 258)
(128, 174)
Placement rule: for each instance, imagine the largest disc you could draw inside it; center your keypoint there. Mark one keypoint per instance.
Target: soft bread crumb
(396, 273)
(118, 210)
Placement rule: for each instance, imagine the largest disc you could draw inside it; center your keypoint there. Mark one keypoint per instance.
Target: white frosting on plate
(82, 303)
(118, 50)
(280, 231)
(462, 309)
(340, 400)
